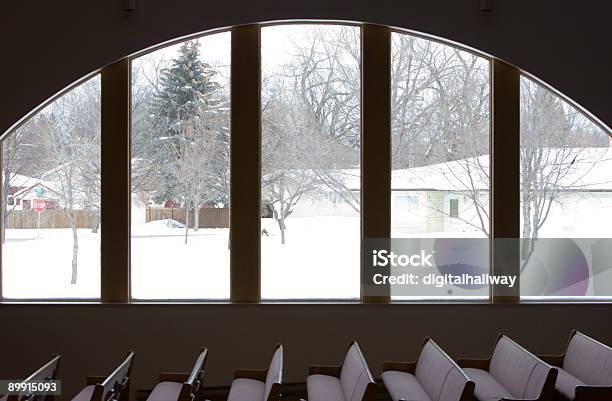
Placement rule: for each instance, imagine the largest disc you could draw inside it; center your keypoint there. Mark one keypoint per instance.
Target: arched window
(448, 183)
(566, 199)
(440, 181)
(51, 200)
(310, 161)
(180, 170)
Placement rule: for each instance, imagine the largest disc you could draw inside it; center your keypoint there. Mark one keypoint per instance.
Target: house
(453, 197)
(23, 190)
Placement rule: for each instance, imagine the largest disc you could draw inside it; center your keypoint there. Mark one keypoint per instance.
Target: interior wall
(47, 45)
(93, 338)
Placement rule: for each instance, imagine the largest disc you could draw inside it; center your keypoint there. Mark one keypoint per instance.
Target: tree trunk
(75, 246)
(282, 227)
(525, 249)
(73, 224)
(186, 221)
(196, 217)
(5, 191)
(96, 223)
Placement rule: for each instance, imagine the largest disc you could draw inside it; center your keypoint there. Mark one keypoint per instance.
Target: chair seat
(487, 387)
(402, 385)
(166, 391)
(247, 390)
(85, 394)
(324, 388)
(566, 385)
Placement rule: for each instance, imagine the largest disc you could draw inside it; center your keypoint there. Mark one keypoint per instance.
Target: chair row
(582, 373)
(248, 385)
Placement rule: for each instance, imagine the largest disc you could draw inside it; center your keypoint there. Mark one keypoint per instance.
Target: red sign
(40, 205)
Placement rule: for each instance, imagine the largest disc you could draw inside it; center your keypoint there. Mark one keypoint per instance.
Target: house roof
(573, 169)
(25, 190)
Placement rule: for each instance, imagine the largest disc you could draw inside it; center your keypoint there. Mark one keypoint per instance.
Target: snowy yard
(163, 267)
(319, 260)
(41, 268)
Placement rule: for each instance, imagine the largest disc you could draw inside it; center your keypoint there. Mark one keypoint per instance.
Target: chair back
(521, 372)
(355, 377)
(441, 378)
(274, 377)
(192, 388)
(588, 360)
(116, 386)
(46, 372)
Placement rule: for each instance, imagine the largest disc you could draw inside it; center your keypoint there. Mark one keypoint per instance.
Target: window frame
(245, 271)
(23, 121)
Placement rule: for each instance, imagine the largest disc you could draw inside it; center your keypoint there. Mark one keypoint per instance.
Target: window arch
(313, 159)
(51, 200)
(180, 200)
(566, 195)
(440, 180)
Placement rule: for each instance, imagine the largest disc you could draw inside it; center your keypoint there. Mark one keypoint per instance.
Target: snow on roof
(20, 181)
(585, 169)
(26, 183)
(44, 184)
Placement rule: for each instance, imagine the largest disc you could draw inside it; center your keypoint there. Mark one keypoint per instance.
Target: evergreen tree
(187, 87)
(186, 83)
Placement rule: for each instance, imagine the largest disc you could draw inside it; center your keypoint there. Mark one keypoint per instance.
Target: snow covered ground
(41, 268)
(319, 260)
(164, 267)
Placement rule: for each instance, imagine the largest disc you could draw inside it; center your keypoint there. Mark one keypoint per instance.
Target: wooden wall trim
(115, 178)
(245, 170)
(505, 178)
(375, 139)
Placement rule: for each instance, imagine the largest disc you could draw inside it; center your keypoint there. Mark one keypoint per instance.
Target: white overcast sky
(277, 42)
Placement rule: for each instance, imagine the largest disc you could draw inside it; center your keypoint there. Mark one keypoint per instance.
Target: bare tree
(21, 158)
(196, 168)
(558, 149)
(72, 144)
(287, 149)
(311, 121)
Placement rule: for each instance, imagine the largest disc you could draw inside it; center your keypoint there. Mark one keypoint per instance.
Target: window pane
(566, 199)
(51, 200)
(310, 161)
(440, 159)
(180, 171)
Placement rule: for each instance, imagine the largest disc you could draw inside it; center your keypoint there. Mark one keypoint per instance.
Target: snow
(164, 267)
(41, 268)
(590, 172)
(320, 258)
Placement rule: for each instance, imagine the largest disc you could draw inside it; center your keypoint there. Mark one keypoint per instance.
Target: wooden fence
(209, 217)
(50, 218)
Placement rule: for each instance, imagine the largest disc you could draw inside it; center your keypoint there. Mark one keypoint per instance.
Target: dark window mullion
(375, 140)
(245, 170)
(505, 178)
(115, 178)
